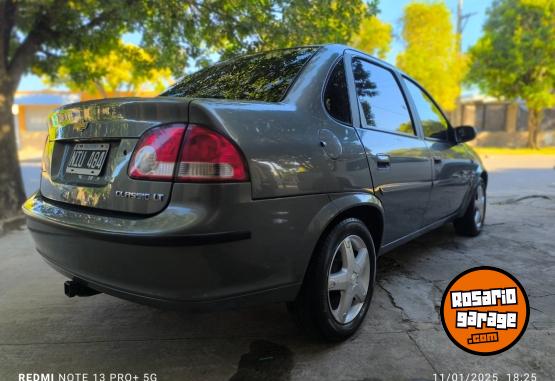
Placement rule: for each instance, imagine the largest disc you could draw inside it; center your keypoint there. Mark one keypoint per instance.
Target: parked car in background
(273, 177)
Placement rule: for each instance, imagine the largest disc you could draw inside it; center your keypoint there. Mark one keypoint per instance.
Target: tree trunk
(101, 90)
(534, 120)
(12, 193)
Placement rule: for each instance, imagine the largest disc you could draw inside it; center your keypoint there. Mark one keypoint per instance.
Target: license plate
(87, 159)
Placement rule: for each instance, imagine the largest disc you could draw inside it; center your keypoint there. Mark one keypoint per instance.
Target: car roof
(343, 48)
(339, 48)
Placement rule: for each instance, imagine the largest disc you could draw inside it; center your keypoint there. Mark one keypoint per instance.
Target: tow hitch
(75, 288)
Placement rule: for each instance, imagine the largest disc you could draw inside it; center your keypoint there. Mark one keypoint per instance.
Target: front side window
(336, 95)
(381, 99)
(434, 124)
(258, 77)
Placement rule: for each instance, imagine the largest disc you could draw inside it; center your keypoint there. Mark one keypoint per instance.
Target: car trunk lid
(89, 147)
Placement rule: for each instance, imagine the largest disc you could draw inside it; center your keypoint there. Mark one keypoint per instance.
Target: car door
(399, 160)
(452, 168)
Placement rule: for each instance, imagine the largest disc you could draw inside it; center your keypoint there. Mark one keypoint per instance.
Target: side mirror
(465, 133)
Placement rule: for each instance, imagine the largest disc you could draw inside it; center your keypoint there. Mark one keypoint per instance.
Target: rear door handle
(383, 161)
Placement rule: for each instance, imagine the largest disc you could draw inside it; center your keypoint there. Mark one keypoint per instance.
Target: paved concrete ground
(402, 339)
(30, 171)
(518, 174)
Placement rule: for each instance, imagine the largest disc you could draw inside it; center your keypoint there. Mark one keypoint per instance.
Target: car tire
(339, 283)
(472, 222)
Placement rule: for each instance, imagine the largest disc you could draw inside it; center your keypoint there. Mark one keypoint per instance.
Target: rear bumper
(140, 239)
(168, 260)
(273, 295)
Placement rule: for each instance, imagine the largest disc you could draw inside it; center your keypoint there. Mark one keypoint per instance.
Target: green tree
(39, 35)
(374, 37)
(127, 68)
(515, 57)
(431, 55)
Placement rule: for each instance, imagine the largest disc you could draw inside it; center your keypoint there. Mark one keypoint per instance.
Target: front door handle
(383, 161)
(437, 160)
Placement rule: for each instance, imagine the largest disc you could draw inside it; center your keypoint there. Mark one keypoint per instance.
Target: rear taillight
(209, 156)
(205, 156)
(156, 153)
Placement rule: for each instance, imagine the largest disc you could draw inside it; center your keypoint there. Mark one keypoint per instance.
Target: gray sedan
(273, 177)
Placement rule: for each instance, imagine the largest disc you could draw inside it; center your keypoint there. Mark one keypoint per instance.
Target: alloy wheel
(479, 206)
(348, 279)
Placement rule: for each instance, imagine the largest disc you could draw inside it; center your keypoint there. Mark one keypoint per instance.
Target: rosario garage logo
(485, 310)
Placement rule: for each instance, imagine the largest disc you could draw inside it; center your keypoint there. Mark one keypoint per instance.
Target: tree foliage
(47, 35)
(515, 57)
(431, 55)
(175, 30)
(374, 37)
(128, 68)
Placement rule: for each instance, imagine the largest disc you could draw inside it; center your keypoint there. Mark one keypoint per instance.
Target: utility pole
(461, 23)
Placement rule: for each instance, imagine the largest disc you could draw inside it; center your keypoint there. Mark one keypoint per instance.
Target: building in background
(31, 110)
(33, 107)
(501, 123)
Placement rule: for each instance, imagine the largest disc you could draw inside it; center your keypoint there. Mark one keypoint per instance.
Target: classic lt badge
(140, 195)
(485, 310)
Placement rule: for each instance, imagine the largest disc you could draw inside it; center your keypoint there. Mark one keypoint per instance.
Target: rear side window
(433, 122)
(261, 77)
(381, 99)
(336, 96)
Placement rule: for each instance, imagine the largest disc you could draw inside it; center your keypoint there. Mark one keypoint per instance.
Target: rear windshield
(261, 77)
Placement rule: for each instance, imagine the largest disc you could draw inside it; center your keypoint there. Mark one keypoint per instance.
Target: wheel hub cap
(479, 206)
(348, 279)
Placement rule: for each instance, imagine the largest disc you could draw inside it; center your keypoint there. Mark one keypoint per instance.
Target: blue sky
(390, 11)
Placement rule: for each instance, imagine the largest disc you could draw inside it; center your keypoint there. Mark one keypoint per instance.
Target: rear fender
(339, 203)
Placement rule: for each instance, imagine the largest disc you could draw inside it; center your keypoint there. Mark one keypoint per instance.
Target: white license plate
(87, 159)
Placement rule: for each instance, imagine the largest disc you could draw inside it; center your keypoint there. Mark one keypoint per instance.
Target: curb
(11, 223)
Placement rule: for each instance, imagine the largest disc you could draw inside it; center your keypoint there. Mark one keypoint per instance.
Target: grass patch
(515, 151)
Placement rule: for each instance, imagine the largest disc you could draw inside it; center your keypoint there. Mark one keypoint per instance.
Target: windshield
(262, 77)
